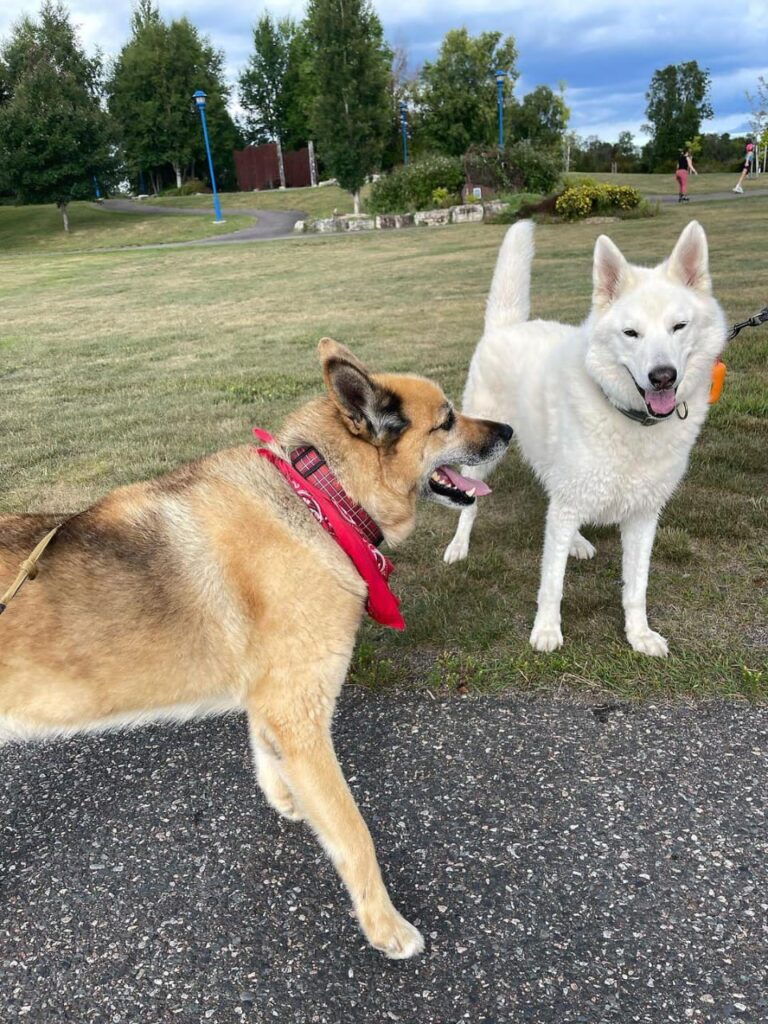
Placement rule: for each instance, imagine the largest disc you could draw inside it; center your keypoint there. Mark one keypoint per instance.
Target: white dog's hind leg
(581, 548)
(637, 536)
(459, 546)
(561, 527)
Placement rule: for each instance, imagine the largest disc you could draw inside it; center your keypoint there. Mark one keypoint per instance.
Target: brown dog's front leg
(305, 761)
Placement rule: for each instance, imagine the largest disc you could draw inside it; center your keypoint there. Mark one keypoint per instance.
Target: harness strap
(28, 569)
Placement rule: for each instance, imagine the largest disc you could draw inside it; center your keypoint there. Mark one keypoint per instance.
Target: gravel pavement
(270, 224)
(566, 863)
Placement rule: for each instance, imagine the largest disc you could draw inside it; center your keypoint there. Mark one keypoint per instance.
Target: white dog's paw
(457, 550)
(650, 643)
(393, 935)
(581, 548)
(546, 636)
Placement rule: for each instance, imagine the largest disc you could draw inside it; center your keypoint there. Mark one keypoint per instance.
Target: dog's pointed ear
(368, 409)
(689, 262)
(610, 272)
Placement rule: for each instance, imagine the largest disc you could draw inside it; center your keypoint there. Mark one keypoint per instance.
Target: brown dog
(213, 588)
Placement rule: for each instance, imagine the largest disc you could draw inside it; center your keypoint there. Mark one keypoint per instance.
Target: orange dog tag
(718, 380)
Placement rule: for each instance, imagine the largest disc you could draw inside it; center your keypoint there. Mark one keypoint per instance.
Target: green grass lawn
(119, 366)
(316, 202)
(33, 229)
(665, 184)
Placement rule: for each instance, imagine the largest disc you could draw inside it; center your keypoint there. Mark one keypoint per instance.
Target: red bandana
(337, 518)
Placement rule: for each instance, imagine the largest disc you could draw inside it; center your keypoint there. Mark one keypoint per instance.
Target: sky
(604, 50)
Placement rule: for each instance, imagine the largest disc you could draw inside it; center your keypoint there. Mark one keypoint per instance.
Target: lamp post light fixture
(200, 97)
(501, 74)
(404, 128)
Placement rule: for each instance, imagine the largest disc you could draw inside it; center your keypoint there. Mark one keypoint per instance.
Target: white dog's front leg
(637, 536)
(458, 549)
(560, 529)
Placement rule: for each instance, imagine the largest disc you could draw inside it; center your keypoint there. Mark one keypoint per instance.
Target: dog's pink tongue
(465, 483)
(661, 402)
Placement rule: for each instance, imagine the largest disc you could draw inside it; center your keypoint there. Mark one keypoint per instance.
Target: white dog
(605, 413)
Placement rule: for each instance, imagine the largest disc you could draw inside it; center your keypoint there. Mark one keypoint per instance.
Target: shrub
(539, 168)
(190, 188)
(520, 167)
(412, 186)
(588, 197)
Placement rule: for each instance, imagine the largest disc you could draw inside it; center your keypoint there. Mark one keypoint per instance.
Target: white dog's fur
(562, 387)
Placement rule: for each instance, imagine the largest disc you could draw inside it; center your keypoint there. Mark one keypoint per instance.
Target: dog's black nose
(662, 377)
(506, 432)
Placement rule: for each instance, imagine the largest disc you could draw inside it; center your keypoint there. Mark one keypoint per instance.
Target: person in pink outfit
(749, 159)
(684, 168)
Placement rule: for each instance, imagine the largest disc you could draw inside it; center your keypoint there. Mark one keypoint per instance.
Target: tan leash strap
(28, 569)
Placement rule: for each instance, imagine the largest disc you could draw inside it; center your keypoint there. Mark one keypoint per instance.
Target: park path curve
(270, 224)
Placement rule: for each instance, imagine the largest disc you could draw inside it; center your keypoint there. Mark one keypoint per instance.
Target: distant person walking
(749, 160)
(684, 168)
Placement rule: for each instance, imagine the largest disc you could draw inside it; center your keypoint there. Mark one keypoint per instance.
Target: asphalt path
(270, 224)
(566, 863)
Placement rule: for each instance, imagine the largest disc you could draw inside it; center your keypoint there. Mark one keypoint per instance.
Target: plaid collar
(310, 464)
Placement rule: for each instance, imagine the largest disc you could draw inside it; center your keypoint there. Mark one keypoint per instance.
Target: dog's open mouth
(659, 403)
(449, 483)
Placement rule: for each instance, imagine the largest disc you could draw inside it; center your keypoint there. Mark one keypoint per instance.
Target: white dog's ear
(689, 262)
(609, 272)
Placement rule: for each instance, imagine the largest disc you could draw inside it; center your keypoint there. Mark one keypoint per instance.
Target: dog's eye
(631, 333)
(450, 422)
(679, 327)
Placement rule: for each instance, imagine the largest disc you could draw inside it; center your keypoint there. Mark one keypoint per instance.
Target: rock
(469, 213)
(432, 218)
(328, 224)
(394, 220)
(493, 208)
(300, 225)
(358, 222)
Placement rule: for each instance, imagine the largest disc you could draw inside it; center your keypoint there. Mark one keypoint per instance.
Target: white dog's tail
(509, 301)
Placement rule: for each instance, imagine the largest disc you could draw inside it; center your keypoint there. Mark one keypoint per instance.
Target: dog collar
(342, 524)
(645, 419)
(309, 463)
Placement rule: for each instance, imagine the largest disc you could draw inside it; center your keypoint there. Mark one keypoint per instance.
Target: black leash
(754, 321)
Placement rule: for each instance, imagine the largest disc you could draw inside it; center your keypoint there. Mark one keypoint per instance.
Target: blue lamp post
(199, 97)
(501, 74)
(404, 128)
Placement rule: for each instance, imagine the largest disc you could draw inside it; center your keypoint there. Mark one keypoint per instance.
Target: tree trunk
(177, 172)
(356, 200)
(63, 208)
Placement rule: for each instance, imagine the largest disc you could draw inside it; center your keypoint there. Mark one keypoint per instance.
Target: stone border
(467, 213)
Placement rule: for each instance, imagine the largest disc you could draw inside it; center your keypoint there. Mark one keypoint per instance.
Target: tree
(678, 101)
(54, 134)
(457, 91)
(351, 113)
(150, 98)
(274, 87)
(541, 118)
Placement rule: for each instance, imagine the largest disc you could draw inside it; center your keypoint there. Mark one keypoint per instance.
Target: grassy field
(38, 229)
(665, 184)
(119, 366)
(316, 202)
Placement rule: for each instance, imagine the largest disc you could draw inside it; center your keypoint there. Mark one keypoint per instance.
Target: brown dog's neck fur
(360, 466)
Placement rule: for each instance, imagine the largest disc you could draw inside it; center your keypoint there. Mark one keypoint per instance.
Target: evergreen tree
(150, 98)
(54, 134)
(678, 101)
(351, 114)
(457, 92)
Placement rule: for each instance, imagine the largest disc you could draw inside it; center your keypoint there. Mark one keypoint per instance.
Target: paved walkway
(706, 197)
(270, 224)
(566, 863)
